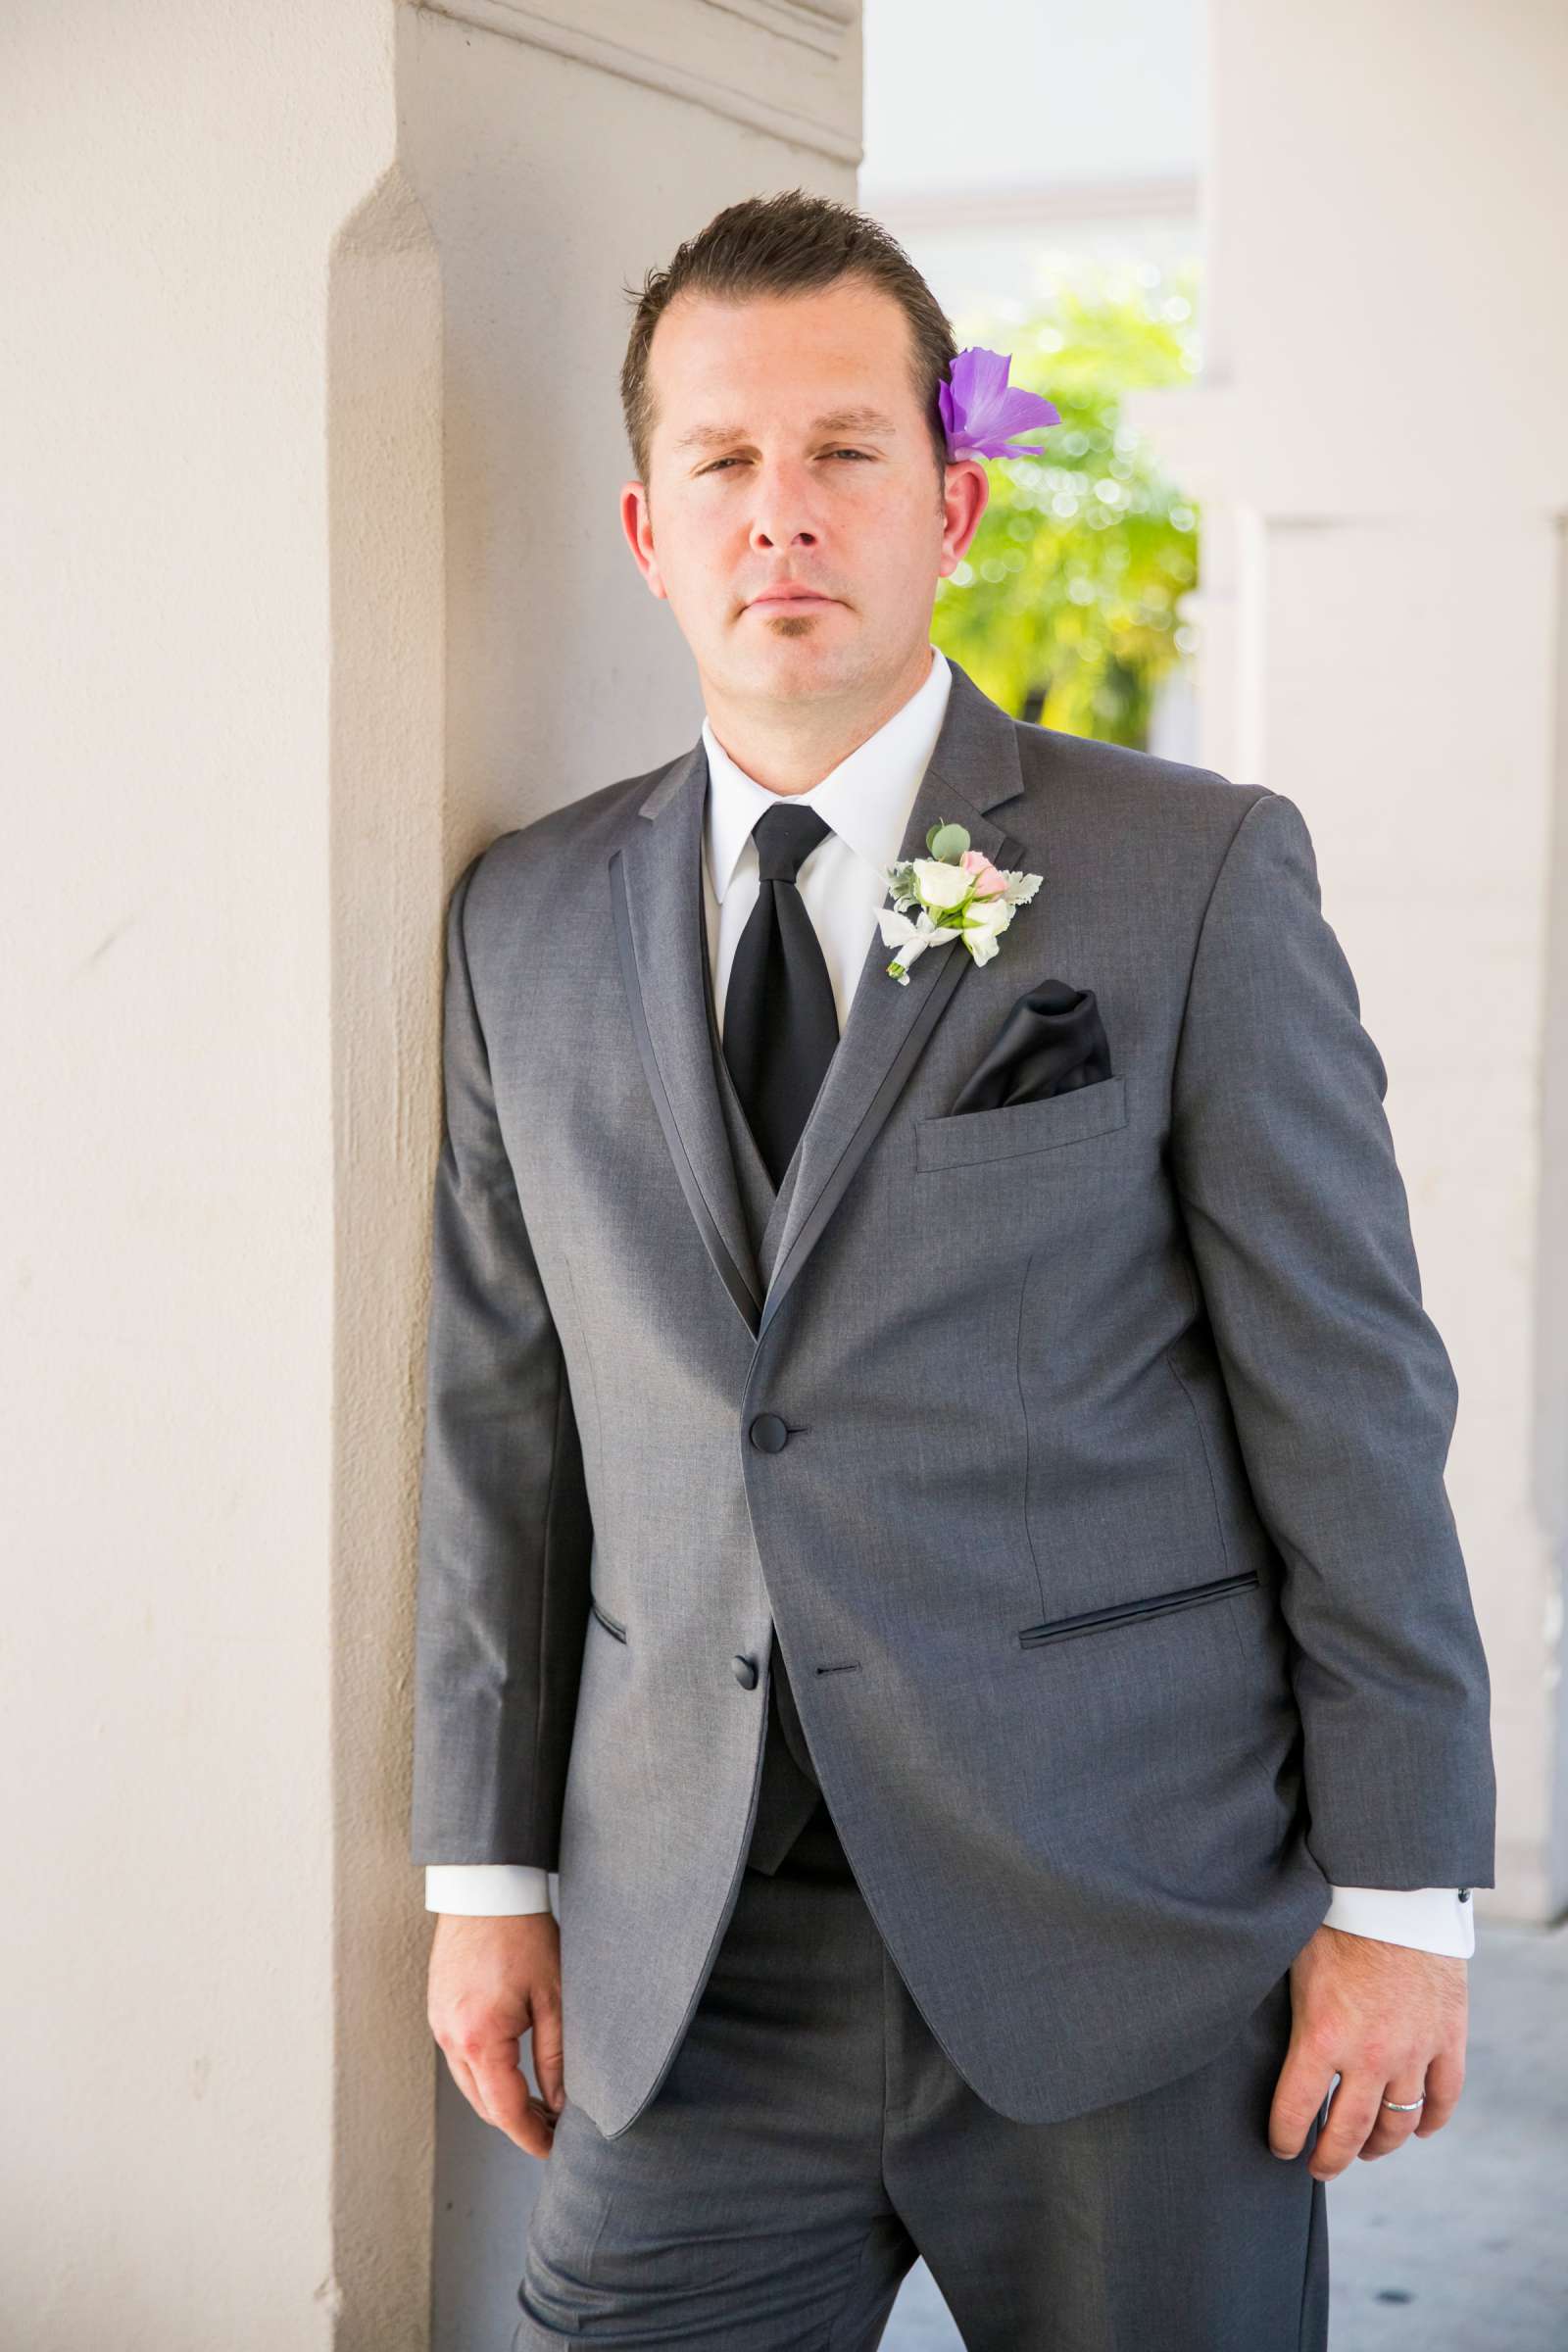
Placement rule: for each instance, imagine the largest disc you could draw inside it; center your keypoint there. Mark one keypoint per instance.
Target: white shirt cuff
(486, 1890)
(1429, 1918)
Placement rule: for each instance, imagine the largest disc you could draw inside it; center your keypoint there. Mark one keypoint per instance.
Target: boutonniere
(960, 895)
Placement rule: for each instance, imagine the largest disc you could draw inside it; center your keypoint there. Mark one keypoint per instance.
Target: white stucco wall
(556, 168)
(182, 2154)
(314, 323)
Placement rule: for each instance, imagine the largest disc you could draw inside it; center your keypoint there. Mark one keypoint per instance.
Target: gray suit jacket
(1084, 1456)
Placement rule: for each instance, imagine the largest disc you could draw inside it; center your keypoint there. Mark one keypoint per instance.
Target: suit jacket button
(745, 1672)
(769, 1433)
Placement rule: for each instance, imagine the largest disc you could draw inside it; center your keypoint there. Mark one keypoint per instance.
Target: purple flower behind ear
(982, 410)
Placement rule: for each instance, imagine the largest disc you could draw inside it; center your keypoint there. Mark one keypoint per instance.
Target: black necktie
(780, 1021)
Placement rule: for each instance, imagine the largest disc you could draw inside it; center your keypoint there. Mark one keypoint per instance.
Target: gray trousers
(813, 2138)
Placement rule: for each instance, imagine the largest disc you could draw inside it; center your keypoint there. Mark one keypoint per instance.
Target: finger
(528, 2122)
(1393, 2125)
(537, 2135)
(463, 2076)
(1299, 2093)
(1353, 2112)
(508, 2101)
(1445, 2083)
(548, 2054)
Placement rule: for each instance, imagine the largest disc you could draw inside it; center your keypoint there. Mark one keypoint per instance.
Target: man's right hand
(492, 1980)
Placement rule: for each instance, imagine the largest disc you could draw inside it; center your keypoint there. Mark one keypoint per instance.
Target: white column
(560, 152)
(220, 574)
(311, 580)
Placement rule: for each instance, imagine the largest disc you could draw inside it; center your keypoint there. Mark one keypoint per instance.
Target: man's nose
(783, 508)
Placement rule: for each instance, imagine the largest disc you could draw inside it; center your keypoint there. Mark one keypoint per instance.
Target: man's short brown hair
(792, 243)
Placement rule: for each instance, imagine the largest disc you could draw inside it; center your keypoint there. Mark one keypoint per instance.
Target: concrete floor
(1457, 2243)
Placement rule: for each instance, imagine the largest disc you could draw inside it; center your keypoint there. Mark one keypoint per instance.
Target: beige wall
(1378, 442)
(174, 176)
(312, 578)
(554, 166)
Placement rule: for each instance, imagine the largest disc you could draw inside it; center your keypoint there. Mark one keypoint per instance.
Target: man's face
(788, 446)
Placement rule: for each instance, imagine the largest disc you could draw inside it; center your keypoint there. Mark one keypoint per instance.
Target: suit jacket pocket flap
(1013, 1127)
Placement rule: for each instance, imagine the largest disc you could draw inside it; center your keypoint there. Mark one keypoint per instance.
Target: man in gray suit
(933, 1516)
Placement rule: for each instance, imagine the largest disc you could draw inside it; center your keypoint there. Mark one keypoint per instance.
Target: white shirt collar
(867, 798)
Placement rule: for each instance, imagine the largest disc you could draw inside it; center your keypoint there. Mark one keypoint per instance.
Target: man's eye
(720, 463)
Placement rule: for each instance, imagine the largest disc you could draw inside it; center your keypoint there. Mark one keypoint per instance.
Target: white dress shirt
(866, 800)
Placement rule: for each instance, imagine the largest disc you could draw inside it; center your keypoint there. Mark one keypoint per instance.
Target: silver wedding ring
(1403, 2106)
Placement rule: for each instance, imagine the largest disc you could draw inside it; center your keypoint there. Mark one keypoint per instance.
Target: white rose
(941, 885)
(988, 918)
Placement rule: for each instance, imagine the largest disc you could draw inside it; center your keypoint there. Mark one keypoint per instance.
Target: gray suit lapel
(657, 902)
(655, 888)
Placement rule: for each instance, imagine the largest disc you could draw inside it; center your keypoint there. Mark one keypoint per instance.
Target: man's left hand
(1390, 2022)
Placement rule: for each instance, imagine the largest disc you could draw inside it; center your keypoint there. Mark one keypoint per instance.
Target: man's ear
(637, 521)
(965, 495)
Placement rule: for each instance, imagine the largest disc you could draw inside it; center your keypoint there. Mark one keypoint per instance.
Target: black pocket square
(1051, 1040)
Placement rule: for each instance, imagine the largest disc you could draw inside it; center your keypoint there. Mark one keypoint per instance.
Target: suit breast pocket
(967, 1135)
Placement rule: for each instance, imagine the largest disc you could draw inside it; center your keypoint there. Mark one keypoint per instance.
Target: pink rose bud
(988, 882)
